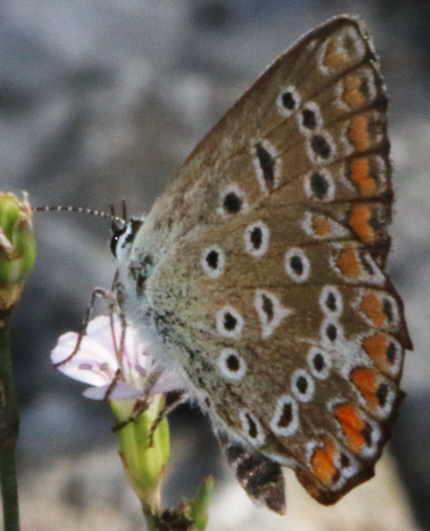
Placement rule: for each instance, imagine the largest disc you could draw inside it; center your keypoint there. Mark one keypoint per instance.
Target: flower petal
(168, 381)
(121, 391)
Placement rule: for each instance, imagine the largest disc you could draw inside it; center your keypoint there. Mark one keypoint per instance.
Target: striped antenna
(112, 217)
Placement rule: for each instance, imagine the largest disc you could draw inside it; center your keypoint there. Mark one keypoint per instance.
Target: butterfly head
(123, 234)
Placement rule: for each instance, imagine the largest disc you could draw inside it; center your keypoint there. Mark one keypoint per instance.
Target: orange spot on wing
(360, 218)
(352, 425)
(361, 177)
(334, 60)
(322, 461)
(359, 133)
(372, 307)
(365, 381)
(352, 95)
(376, 347)
(349, 263)
(321, 226)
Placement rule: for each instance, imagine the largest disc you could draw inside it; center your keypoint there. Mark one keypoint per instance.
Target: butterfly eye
(123, 235)
(118, 231)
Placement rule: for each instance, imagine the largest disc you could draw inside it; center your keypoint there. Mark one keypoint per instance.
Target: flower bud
(17, 249)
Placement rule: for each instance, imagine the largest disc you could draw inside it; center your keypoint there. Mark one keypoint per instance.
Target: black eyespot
(309, 119)
(268, 307)
(381, 394)
(319, 362)
(319, 185)
(302, 384)
(267, 164)
(296, 264)
(391, 352)
(286, 417)
(212, 259)
(331, 302)
(232, 363)
(366, 432)
(364, 260)
(118, 231)
(232, 203)
(321, 146)
(230, 322)
(344, 461)
(288, 101)
(256, 237)
(331, 332)
(252, 427)
(387, 310)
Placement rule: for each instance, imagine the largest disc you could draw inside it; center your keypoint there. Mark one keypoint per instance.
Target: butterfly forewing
(268, 274)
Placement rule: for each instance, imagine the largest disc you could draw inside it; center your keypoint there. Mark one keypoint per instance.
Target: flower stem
(9, 422)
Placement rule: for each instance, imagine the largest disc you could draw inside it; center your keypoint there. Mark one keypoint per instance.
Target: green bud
(17, 249)
(200, 503)
(144, 463)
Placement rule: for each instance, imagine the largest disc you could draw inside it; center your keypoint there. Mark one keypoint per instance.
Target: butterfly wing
(267, 270)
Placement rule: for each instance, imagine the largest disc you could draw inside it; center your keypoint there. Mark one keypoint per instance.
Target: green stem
(9, 422)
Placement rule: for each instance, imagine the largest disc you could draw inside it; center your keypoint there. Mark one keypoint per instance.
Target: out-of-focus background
(102, 100)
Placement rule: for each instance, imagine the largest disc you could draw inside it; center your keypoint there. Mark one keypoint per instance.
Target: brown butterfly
(259, 275)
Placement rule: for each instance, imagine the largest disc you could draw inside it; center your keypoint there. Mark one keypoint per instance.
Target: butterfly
(259, 275)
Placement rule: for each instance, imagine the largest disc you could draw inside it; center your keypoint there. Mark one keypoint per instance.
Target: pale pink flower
(96, 362)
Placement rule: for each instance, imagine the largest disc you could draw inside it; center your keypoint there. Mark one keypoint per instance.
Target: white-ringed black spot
(331, 301)
(232, 203)
(256, 239)
(387, 310)
(229, 322)
(382, 394)
(270, 311)
(297, 265)
(232, 200)
(331, 331)
(231, 364)
(309, 119)
(286, 417)
(252, 427)
(288, 100)
(319, 362)
(366, 263)
(302, 385)
(213, 261)
(391, 352)
(268, 307)
(285, 421)
(319, 185)
(321, 147)
(267, 164)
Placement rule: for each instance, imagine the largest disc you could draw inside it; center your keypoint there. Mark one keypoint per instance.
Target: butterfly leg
(98, 292)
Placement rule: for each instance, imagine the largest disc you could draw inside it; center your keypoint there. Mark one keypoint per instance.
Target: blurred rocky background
(102, 100)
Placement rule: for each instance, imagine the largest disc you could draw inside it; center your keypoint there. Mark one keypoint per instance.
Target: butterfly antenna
(114, 218)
